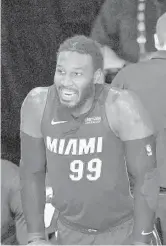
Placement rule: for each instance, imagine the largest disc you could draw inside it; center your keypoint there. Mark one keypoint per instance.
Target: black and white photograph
(83, 122)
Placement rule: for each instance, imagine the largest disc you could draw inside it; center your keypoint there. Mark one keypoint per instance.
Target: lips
(67, 94)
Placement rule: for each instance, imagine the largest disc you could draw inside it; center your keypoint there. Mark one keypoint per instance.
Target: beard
(82, 97)
(86, 94)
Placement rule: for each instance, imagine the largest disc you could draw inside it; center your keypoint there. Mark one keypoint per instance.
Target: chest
(91, 135)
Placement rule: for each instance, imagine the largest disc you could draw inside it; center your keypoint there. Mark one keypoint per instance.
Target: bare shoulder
(10, 173)
(128, 115)
(8, 166)
(36, 96)
(111, 109)
(32, 109)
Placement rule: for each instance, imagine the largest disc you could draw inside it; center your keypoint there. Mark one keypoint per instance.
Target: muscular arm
(133, 126)
(105, 31)
(33, 161)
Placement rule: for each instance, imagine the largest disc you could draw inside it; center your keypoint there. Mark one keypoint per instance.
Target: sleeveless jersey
(85, 163)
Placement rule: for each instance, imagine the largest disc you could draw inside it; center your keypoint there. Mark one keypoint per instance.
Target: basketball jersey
(85, 163)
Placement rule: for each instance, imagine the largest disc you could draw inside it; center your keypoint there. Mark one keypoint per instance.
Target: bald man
(148, 81)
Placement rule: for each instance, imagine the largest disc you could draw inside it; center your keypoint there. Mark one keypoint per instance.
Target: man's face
(74, 78)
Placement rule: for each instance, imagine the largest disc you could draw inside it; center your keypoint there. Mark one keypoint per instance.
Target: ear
(159, 42)
(99, 77)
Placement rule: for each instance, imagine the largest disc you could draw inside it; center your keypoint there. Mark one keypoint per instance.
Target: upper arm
(106, 22)
(32, 112)
(17, 210)
(15, 201)
(12, 180)
(132, 119)
(33, 157)
(135, 129)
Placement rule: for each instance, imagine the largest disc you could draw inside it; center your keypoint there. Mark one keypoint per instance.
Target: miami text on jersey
(75, 146)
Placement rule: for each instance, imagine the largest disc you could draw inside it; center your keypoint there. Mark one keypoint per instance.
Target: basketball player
(89, 136)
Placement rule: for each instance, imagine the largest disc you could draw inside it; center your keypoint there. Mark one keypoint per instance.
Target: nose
(66, 80)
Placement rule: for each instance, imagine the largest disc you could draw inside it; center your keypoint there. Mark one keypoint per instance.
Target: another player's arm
(104, 29)
(33, 162)
(130, 121)
(16, 208)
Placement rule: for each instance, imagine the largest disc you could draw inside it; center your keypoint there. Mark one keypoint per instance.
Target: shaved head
(161, 30)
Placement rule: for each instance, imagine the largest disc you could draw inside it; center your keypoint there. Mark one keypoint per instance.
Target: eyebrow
(78, 68)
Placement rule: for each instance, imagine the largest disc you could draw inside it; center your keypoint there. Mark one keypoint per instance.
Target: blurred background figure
(13, 226)
(126, 30)
(50, 214)
(49, 209)
(148, 80)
